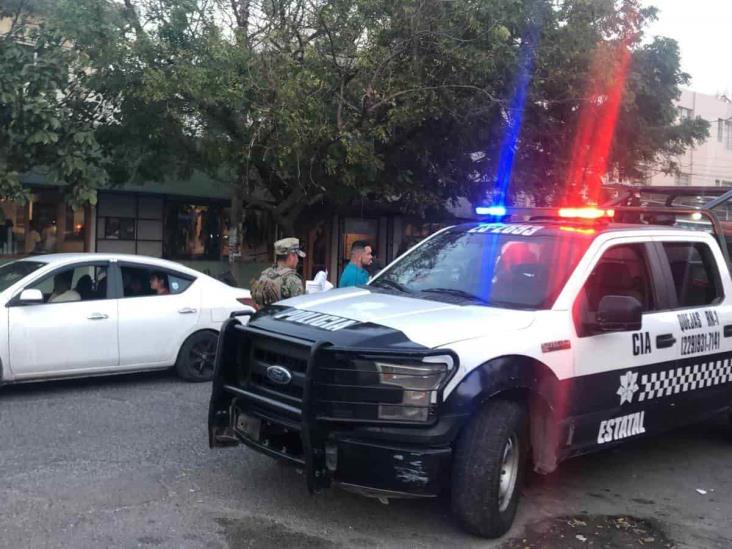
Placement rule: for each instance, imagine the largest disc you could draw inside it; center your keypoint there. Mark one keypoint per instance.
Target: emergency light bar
(586, 213)
(497, 211)
(589, 213)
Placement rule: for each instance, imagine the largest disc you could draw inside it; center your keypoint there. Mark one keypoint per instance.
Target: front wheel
(488, 468)
(196, 357)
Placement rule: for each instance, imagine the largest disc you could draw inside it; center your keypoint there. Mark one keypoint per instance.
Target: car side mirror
(30, 297)
(619, 313)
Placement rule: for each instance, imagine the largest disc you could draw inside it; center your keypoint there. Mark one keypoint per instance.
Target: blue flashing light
(497, 211)
(517, 106)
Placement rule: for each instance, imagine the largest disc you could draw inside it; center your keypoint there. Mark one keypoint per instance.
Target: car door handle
(187, 310)
(665, 340)
(98, 316)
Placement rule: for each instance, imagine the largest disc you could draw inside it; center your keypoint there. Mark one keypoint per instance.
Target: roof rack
(628, 195)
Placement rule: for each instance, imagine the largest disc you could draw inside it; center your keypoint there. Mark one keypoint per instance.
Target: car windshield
(10, 273)
(525, 270)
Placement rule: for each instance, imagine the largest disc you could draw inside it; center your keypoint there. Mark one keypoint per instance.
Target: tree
(293, 103)
(577, 64)
(297, 103)
(41, 96)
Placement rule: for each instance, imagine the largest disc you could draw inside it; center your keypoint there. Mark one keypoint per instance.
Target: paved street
(123, 462)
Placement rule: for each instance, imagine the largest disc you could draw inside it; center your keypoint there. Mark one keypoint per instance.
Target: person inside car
(85, 287)
(62, 291)
(159, 283)
(136, 287)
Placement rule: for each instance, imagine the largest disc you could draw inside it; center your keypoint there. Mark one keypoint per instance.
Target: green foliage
(648, 134)
(41, 98)
(328, 102)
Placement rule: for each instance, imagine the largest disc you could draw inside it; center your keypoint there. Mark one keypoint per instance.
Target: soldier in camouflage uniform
(281, 280)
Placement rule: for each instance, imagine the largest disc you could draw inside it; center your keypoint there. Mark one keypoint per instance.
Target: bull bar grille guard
(313, 427)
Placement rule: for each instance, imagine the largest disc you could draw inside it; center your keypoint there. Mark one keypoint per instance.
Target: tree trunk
(241, 13)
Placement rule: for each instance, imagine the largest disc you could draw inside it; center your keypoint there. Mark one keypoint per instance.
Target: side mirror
(30, 297)
(619, 313)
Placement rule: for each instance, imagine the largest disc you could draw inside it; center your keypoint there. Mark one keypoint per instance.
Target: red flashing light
(585, 213)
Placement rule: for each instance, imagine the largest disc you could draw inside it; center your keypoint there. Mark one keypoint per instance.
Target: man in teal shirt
(355, 273)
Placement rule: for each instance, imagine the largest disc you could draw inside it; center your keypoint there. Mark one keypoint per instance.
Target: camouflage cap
(288, 245)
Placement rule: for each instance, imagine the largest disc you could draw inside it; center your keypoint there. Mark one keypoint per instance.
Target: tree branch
(133, 19)
(393, 96)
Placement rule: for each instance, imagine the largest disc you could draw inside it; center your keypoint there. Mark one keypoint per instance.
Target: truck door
(701, 384)
(608, 401)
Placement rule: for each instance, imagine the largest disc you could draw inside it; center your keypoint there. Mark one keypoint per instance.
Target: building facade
(185, 221)
(188, 222)
(709, 164)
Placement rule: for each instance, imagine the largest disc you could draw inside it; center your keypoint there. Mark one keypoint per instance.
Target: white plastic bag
(318, 284)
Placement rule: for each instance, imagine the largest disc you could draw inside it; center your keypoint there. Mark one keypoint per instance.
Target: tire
(196, 356)
(488, 468)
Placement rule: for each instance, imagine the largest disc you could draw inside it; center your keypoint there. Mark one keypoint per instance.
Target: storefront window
(75, 229)
(416, 232)
(318, 255)
(12, 235)
(45, 224)
(257, 236)
(42, 235)
(131, 224)
(118, 228)
(193, 231)
(358, 229)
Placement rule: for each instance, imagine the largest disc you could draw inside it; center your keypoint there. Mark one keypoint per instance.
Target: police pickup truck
(487, 347)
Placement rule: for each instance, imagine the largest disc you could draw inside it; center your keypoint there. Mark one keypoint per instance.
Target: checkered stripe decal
(685, 378)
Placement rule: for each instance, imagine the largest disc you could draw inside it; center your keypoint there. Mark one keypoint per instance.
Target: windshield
(478, 266)
(10, 273)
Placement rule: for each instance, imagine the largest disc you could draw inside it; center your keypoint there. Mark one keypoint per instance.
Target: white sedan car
(73, 315)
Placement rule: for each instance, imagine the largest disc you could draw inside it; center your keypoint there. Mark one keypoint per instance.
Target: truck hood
(425, 322)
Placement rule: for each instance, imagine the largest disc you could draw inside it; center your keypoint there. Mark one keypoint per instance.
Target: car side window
(140, 281)
(695, 275)
(622, 270)
(82, 283)
(178, 284)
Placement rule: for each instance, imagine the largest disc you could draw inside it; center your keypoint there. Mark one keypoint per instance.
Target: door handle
(665, 340)
(98, 316)
(728, 330)
(187, 310)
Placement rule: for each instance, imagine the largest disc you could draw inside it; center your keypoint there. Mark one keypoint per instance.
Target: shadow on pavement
(91, 382)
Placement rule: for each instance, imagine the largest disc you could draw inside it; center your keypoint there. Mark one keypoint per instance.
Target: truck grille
(266, 352)
(346, 387)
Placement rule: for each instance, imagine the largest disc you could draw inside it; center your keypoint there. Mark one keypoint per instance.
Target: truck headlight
(420, 383)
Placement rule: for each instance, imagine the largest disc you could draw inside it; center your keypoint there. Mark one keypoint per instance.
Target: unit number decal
(700, 341)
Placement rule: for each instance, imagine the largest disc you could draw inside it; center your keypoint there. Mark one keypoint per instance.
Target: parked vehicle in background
(75, 315)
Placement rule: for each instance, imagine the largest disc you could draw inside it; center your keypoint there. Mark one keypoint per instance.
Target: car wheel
(488, 468)
(196, 357)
